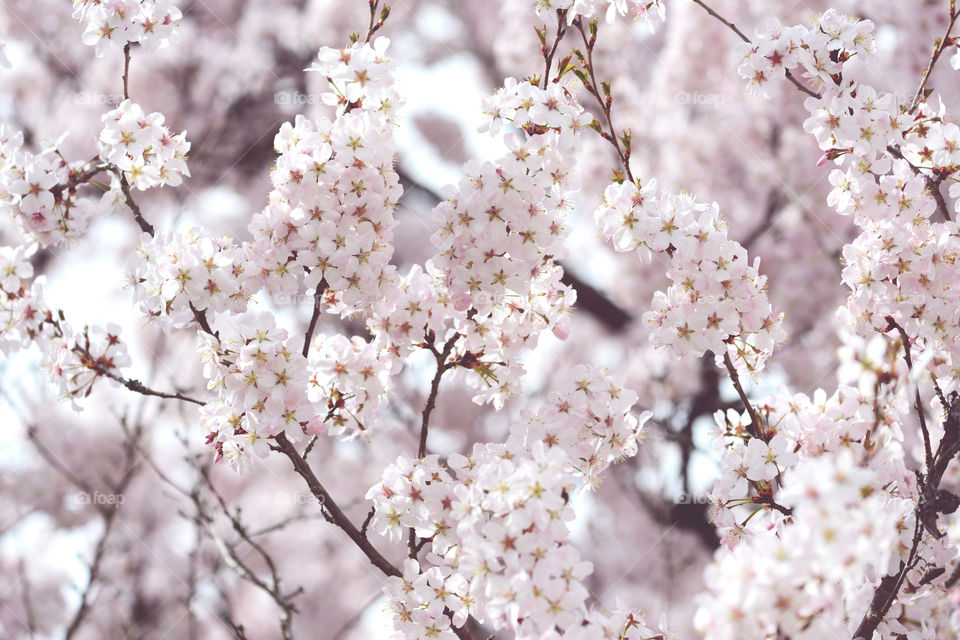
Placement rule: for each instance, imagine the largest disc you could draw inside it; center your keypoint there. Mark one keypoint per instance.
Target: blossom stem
(548, 56)
(145, 226)
(605, 105)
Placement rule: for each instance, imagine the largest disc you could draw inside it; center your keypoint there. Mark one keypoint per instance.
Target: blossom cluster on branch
(833, 509)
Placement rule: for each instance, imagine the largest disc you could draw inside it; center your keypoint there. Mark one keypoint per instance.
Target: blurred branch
(108, 513)
(25, 597)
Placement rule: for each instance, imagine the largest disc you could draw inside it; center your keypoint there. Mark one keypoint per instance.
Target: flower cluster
(152, 23)
(413, 313)
(717, 301)
(498, 520)
(39, 191)
(650, 11)
(418, 602)
(500, 232)
(808, 577)
(329, 222)
(143, 147)
(891, 160)
(348, 376)
(180, 273)
(820, 50)
(16, 310)
(260, 379)
(74, 359)
(359, 76)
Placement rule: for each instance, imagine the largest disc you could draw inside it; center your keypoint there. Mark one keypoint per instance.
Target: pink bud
(315, 427)
(562, 329)
(462, 301)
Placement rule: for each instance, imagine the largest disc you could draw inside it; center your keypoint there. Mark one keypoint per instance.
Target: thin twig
(605, 104)
(338, 517)
(138, 387)
(317, 304)
(742, 36)
(548, 55)
(939, 47)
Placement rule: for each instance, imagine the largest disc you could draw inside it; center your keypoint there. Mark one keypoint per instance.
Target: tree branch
(126, 70)
(754, 427)
(317, 302)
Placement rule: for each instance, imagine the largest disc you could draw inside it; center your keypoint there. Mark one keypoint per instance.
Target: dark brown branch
(317, 304)
(138, 387)
(594, 302)
(145, 226)
(78, 177)
(442, 367)
(799, 85)
(887, 591)
(126, 70)
(754, 427)
(201, 318)
(927, 510)
(326, 501)
(339, 518)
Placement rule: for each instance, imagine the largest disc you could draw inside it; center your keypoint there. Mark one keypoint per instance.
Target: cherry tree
(306, 388)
